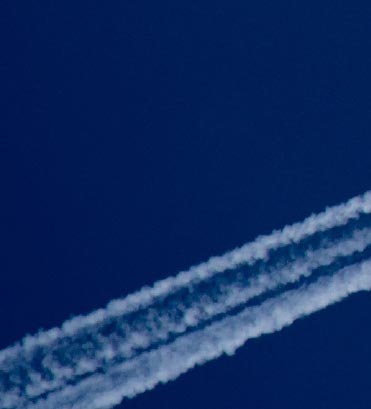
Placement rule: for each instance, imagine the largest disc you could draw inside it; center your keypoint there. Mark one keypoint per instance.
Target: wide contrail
(158, 333)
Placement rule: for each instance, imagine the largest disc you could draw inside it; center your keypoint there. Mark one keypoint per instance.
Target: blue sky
(139, 138)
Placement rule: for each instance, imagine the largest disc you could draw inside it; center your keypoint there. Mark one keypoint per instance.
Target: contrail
(57, 365)
(149, 328)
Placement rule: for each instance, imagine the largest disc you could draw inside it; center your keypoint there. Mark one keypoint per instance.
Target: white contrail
(159, 325)
(249, 253)
(86, 348)
(166, 363)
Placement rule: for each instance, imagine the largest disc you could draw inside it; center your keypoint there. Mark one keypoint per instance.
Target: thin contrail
(158, 327)
(56, 365)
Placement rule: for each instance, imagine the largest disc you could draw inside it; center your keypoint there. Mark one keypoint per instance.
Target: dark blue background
(140, 137)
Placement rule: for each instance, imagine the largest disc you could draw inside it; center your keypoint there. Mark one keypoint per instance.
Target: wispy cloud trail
(56, 367)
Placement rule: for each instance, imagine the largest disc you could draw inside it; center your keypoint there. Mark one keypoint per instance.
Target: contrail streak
(55, 367)
(158, 326)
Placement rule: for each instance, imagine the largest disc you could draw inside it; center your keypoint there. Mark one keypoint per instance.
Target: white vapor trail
(159, 327)
(159, 332)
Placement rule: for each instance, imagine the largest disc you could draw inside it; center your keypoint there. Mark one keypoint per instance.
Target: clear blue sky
(140, 137)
